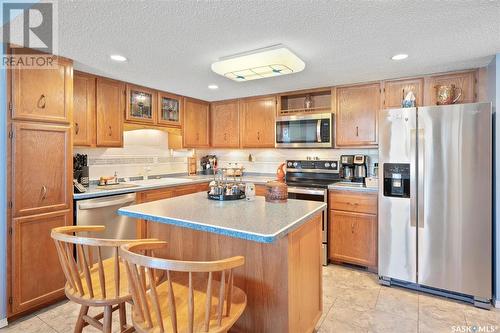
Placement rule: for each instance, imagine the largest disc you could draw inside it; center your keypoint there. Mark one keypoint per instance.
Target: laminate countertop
(255, 220)
(95, 191)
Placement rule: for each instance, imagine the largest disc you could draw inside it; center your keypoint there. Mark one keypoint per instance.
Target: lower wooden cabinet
(260, 190)
(36, 276)
(353, 230)
(164, 193)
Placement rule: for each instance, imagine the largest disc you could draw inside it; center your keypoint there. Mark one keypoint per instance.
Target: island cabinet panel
(464, 81)
(84, 112)
(282, 279)
(257, 118)
(357, 115)
(196, 124)
(42, 168)
(353, 227)
(110, 112)
(43, 94)
(395, 91)
(36, 276)
(225, 124)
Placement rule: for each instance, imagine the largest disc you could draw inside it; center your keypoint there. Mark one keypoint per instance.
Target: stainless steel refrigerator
(435, 200)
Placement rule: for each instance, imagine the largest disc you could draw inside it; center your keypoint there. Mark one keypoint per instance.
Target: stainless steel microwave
(305, 131)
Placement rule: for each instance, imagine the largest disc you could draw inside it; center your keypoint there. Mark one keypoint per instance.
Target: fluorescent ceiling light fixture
(259, 64)
(399, 56)
(117, 57)
(213, 86)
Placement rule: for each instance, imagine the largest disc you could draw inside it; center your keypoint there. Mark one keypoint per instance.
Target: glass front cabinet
(141, 105)
(169, 109)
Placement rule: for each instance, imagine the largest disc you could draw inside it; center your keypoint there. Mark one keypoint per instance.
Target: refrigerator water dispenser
(397, 180)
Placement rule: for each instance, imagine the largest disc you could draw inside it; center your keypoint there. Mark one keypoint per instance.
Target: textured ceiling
(171, 44)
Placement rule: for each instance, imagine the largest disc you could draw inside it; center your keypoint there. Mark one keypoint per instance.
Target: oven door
(314, 194)
(313, 131)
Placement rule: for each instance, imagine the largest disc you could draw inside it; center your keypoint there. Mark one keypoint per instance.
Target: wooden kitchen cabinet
(352, 238)
(353, 227)
(42, 168)
(257, 119)
(225, 124)
(36, 276)
(164, 193)
(357, 115)
(395, 91)
(84, 112)
(170, 109)
(110, 99)
(464, 80)
(260, 190)
(43, 94)
(140, 105)
(196, 124)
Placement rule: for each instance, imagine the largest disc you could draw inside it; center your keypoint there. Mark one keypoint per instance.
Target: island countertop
(255, 220)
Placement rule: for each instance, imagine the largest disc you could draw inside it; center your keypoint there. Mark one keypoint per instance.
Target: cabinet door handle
(258, 135)
(41, 102)
(225, 136)
(44, 192)
(110, 132)
(352, 227)
(77, 128)
(357, 131)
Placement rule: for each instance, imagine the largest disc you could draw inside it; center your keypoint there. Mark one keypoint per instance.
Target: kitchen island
(281, 244)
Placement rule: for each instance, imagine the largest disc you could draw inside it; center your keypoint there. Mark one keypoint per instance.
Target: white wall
(141, 149)
(268, 160)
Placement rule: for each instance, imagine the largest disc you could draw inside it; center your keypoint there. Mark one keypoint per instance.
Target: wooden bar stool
(93, 280)
(183, 300)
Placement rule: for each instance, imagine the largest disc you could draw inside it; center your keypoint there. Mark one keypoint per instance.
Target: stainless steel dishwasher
(102, 211)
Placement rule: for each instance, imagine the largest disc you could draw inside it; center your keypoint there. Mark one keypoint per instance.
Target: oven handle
(301, 190)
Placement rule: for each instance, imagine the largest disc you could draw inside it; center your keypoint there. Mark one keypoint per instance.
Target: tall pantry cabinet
(40, 103)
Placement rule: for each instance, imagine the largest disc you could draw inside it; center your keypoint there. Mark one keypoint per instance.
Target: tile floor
(353, 302)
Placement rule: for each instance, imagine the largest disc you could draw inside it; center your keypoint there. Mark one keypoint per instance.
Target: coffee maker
(359, 162)
(347, 167)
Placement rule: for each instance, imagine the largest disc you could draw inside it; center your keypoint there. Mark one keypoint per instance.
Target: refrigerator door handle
(421, 177)
(413, 177)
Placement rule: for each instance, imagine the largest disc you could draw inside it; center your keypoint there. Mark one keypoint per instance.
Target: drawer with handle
(352, 201)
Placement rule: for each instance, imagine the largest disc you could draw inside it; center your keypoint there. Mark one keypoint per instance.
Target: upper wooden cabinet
(257, 119)
(170, 108)
(43, 94)
(357, 115)
(195, 124)
(140, 105)
(464, 80)
(42, 168)
(110, 110)
(225, 124)
(84, 132)
(395, 91)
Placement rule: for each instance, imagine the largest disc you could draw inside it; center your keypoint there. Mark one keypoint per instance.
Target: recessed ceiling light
(399, 56)
(213, 86)
(258, 64)
(117, 57)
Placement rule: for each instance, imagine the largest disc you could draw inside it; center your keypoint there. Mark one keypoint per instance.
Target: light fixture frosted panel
(259, 65)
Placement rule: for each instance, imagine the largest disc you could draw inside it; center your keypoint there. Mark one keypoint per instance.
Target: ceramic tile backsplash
(268, 160)
(144, 153)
